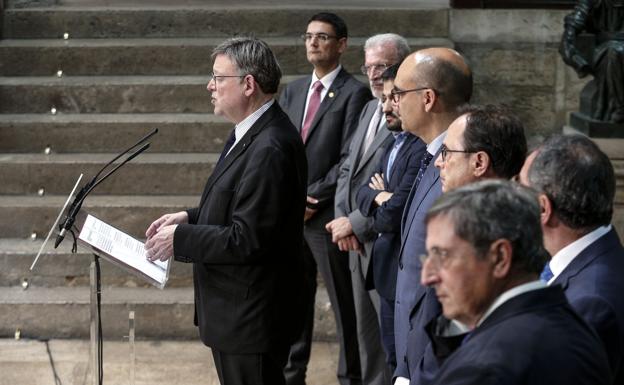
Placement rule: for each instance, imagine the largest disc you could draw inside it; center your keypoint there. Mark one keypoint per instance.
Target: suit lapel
(379, 139)
(405, 149)
(299, 99)
(238, 150)
(328, 100)
(604, 244)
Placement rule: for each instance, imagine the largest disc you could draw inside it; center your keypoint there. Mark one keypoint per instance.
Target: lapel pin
(331, 94)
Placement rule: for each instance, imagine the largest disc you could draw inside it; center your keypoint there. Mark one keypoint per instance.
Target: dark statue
(593, 43)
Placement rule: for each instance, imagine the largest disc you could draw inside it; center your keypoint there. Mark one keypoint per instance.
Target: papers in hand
(120, 248)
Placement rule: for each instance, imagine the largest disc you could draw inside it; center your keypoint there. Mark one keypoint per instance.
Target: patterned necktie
(424, 163)
(228, 144)
(547, 274)
(313, 106)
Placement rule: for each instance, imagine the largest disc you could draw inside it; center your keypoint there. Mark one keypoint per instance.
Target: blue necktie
(228, 144)
(547, 274)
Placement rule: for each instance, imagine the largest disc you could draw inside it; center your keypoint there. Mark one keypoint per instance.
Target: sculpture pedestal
(595, 128)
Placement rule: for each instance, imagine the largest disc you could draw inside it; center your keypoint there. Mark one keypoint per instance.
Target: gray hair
(578, 179)
(493, 209)
(399, 42)
(252, 57)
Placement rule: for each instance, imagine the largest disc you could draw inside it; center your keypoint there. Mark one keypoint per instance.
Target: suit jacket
(387, 217)
(409, 291)
(245, 240)
(593, 283)
(329, 135)
(534, 338)
(355, 171)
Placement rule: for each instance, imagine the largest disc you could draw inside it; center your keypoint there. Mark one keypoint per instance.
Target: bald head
(445, 71)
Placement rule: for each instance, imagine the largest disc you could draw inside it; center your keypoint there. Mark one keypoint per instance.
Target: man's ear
(250, 85)
(481, 163)
(342, 45)
(429, 98)
(547, 217)
(501, 254)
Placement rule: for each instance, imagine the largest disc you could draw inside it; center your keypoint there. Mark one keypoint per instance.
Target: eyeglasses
(374, 68)
(219, 78)
(396, 93)
(322, 37)
(438, 257)
(444, 151)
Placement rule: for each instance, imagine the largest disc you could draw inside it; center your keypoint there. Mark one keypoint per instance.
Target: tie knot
(318, 86)
(426, 159)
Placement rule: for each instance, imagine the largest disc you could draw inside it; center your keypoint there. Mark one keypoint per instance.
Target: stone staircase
(125, 70)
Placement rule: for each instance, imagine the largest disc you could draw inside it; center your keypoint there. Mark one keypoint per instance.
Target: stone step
(206, 21)
(147, 174)
(59, 267)
(105, 94)
(111, 133)
(130, 213)
(156, 56)
(63, 312)
(108, 94)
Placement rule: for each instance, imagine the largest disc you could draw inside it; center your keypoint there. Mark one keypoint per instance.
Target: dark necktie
(547, 274)
(228, 144)
(313, 106)
(424, 163)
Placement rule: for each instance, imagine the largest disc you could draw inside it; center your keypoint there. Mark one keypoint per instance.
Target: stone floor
(157, 363)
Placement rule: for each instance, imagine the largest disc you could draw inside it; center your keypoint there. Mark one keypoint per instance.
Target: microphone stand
(95, 272)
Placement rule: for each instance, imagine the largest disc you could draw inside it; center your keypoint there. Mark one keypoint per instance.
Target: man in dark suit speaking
(244, 239)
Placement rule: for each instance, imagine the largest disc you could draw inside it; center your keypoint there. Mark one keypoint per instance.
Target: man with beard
(383, 200)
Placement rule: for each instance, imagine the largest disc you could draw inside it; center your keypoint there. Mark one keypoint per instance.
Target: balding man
(430, 87)
(576, 183)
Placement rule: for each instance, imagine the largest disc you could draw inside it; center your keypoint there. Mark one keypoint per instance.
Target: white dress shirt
(565, 256)
(327, 81)
(241, 128)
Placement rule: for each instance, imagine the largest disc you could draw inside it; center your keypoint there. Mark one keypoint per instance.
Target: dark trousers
(320, 253)
(386, 322)
(251, 369)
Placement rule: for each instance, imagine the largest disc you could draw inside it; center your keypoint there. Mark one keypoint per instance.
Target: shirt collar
(435, 144)
(565, 256)
(241, 128)
(509, 294)
(327, 80)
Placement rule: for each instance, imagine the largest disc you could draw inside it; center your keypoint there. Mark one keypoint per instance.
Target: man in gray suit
(351, 230)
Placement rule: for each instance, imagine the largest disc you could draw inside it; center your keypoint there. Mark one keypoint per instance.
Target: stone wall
(514, 55)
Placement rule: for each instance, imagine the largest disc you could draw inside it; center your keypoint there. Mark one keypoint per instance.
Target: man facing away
(383, 200)
(484, 142)
(576, 185)
(484, 254)
(429, 88)
(244, 238)
(325, 108)
(351, 230)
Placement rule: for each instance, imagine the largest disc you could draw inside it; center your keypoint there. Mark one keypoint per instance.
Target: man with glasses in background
(430, 87)
(351, 230)
(484, 142)
(325, 108)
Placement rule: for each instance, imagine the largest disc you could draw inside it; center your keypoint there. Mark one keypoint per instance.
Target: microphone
(87, 188)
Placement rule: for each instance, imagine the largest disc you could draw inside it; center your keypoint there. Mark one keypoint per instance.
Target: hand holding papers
(123, 250)
(159, 235)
